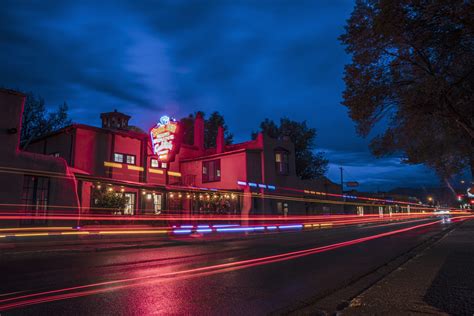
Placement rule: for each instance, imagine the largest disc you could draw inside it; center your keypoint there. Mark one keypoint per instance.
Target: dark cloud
(247, 59)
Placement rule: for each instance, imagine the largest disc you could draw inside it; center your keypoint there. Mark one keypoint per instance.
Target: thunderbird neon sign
(164, 139)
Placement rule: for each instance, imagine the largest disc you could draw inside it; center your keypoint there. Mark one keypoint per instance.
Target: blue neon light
(262, 186)
(242, 183)
(271, 227)
(225, 225)
(271, 187)
(187, 226)
(204, 230)
(182, 231)
(239, 229)
(202, 226)
(290, 226)
(251, 184)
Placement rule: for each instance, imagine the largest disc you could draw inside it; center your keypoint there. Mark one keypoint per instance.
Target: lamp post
(430, 200)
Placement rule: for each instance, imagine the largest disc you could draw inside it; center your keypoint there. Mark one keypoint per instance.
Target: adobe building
(31, 184)
(156, 173)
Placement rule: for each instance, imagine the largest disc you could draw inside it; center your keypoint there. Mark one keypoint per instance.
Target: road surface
(231, 275)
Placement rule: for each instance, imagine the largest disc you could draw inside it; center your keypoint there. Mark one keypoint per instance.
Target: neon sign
(164, 139)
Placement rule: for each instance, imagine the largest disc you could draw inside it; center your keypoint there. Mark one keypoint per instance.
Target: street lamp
(430, 199)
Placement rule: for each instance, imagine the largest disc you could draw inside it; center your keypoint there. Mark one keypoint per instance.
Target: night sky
(248, 60)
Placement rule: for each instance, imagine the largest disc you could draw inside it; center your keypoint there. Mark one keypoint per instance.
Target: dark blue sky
(248, 60)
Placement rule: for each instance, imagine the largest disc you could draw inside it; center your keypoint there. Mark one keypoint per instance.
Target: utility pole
(342, 180)
(342, 189)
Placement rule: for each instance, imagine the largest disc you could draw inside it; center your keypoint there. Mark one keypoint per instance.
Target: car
(442, 211)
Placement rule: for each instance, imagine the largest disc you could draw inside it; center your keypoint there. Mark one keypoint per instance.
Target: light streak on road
(162, 218)
(107, 286)
(34, 228)
(186, 229)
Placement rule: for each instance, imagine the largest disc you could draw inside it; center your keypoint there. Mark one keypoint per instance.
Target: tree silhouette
(412, 74)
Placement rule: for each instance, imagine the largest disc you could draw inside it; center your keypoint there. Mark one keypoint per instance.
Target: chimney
(199, 132)
(220, 140)
(114, 120)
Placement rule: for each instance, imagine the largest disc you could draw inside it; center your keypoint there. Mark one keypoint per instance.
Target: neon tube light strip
(239, 229)
(182, 231)
(204, 230)
(290, 226)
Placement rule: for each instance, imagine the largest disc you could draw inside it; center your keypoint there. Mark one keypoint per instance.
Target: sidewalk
(439, 281)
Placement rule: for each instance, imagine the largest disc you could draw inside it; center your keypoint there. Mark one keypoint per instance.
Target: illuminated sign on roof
(164, 139)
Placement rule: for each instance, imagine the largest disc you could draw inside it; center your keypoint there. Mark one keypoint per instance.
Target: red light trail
(97, 288)
(265, 224)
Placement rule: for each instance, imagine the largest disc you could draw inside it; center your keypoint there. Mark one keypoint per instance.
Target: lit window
(282, 208)
(154, 163)
(282, 162)
(129, 204)
(130, 159)
(157, 203)
(118, 157)
(164, 165)
(211, 170)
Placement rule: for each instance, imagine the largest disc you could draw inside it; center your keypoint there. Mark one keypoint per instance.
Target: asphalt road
(235, 275)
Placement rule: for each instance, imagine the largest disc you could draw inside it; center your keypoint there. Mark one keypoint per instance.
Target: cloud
(248, 60)
(377, 174)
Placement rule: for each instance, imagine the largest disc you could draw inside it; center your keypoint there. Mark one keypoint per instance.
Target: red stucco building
(254, 177)
(31, 184)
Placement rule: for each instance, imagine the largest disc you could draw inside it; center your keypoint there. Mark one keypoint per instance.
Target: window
(211, 170)
(154, 163)
(35, 194)
(282, 208)
(157, 203)
(281, 162)
(130, 205)
(130, 159)
(118, 157)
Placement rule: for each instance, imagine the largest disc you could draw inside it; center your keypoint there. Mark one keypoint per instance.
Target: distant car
(442, 211)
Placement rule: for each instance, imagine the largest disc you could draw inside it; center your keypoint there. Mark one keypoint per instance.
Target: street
(237, 274)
